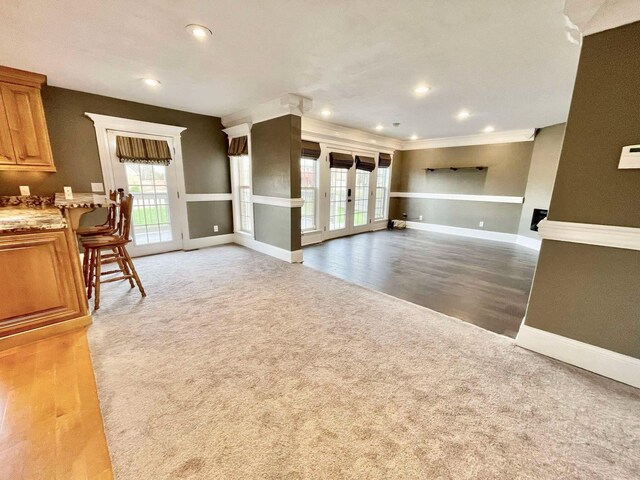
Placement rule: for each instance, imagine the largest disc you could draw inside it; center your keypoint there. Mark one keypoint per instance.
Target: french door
(155, 218)
(349, 199)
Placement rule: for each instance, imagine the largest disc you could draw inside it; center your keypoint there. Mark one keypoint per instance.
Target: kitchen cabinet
(24, 138)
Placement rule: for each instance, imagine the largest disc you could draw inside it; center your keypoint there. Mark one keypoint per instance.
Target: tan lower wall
(588, 293)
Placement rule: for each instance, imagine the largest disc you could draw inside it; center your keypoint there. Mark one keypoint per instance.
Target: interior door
(155, 219)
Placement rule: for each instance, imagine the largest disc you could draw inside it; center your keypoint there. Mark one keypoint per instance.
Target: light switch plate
(97, 187)
(630, 157)
(68, 193)
(25, 190)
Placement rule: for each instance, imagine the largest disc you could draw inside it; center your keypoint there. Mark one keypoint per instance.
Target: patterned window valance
(238, 146)
(142, 150)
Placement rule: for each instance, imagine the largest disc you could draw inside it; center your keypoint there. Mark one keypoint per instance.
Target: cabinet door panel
(37, 286)
(6, 145)
(27, 124)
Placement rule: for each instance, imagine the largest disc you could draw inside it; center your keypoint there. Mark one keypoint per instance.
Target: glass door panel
(361, 201)
(338, 196)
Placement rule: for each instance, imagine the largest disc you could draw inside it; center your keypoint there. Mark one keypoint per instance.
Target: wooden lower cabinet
(42, 289)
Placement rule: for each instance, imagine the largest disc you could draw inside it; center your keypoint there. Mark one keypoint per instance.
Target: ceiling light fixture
(326, 112)
(488, 129)
(199, 31)
(463, 114)
(151, 82)
(414, 137)
(421, 89)
(379, 127)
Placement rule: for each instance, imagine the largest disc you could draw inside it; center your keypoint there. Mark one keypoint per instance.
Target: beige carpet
(239, 366)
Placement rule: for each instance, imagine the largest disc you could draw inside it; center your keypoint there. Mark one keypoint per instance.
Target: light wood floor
(50, 421)
(482, 282)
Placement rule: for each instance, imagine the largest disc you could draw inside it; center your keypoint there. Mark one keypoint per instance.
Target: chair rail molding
(459, 196)
(208, 197)
(278, 201)
(590, 234)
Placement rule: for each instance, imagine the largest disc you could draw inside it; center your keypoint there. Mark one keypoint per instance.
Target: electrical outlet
(97, 187)
(215, 228)
(420, 218)
(481, 224)
(25, 191)
(68, 193)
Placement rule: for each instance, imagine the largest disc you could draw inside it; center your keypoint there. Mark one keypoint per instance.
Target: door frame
(104, 123)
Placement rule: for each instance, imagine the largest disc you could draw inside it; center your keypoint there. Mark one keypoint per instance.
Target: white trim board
(287, 104)
(533, 243)
(203, 242)
(278, 201)
(590, 234)
(463, 232)
(240, 130)
(595, 359)
(273, 251)
(527, 135)
(330, 133)
(459, 196)
(208, 197)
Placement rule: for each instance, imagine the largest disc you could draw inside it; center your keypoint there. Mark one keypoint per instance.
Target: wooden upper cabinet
(24, 139)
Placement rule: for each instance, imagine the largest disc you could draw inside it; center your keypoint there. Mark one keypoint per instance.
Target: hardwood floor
(482, 282)
(50, 420)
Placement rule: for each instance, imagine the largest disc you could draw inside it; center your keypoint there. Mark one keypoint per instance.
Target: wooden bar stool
(105, 249)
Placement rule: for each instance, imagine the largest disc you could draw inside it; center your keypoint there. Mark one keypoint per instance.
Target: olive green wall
(590, 293)
(275, 164)
(75, 151)
(508, 166)
(542, 175)
(203, 216)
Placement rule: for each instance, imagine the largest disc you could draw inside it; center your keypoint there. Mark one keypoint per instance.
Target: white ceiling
(507, 61)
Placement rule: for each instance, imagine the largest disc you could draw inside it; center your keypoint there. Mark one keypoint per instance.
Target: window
(361, 203)
(338, 199)
(309, 192)
(151, 219)
(244, 193)
(382, 201)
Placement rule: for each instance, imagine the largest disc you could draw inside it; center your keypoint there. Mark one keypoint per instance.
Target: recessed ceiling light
(488, 129)
(326, 112)
(151, 82)
(421, 89)
(414, 137)
(463, 114)
(379, 127)
(199, 31)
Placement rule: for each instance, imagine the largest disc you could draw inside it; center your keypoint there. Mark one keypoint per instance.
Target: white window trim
(385, 217)
(316, 228)
(104, 123)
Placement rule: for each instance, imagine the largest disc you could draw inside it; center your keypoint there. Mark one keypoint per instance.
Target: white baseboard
(533, 243)
(277, 252)
(380, 225)
(464, 232)
(604, 362)
(194, 243)
(309, 238)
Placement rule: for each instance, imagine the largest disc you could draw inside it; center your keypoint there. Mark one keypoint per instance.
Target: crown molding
(512, 136)
(288, 104)
(240, 130)
(346, 137)
(138, 126)
(595, 16)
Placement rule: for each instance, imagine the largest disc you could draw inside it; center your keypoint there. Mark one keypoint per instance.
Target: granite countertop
(82, 200)
(24, 218)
